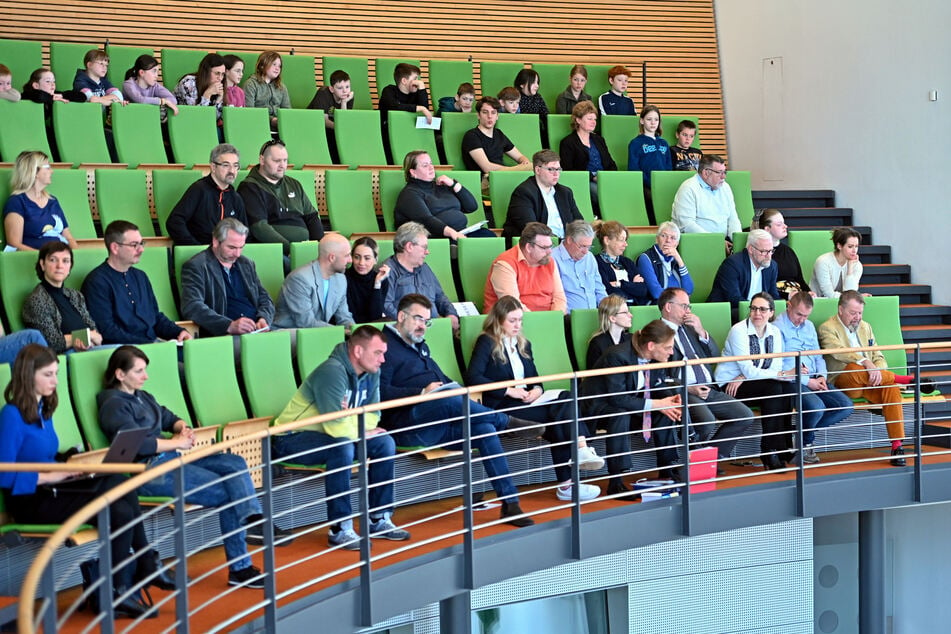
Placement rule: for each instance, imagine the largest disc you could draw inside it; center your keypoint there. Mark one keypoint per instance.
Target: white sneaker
(585, 492)
(588, 459)
(346, 538)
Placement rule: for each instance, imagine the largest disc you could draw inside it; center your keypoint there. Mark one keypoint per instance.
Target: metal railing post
(48, 590)
(685, 445)
(106, 589)
(919, 422)
(181, 552)
(575, 473)
(270, 561)
(366, 569)
(800, 471)
(468, 519)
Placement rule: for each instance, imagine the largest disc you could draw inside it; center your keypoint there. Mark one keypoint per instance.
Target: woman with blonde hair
(31, 216)
(265, 89)
(614, 327)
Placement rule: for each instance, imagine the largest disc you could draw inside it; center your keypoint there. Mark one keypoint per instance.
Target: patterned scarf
(754, 349)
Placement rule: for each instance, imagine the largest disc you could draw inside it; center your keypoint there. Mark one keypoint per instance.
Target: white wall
(849, 112)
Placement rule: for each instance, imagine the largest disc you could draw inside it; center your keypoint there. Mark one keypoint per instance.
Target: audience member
(409, 370)
(584, 149)
(55, 310)
(579, 272)
(278, 208)
(208, 200)
(662, 266)
(510, 100)
(234, 72)
(615, 101)
(367, 284)
(502, 353)
(31, 216)
(410, 274)
(438, 203)
(141, 85)
(221, 290)
(528, 273)
(704, 203)
(41, 88)
(348, 379)
(10, 345)
(336, 95)
(204, 87)
(530, 102)
(574, 93)
(540, 198)
(462, 102)
(764, 380)
(264, 89)
(408, 93)
(839, 270)
(120, 297)
(618, 273)
(744, 274)
(91, 81)
(315, 294)
(683, 155)
(648, 152)
(789, 271)
(483, 146)
(7, 91)
(614, 327)
(821, 406)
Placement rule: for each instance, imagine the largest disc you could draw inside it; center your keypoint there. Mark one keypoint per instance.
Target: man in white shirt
(704, 203)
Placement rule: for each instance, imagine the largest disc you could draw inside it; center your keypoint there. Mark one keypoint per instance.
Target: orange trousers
(854, 382)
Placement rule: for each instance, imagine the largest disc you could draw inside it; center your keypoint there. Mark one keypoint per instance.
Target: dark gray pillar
(872, 572)
(455, 614)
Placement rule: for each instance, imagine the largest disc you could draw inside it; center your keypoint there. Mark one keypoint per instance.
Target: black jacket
(527, 205)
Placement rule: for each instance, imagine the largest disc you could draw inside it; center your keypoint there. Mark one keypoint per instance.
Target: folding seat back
(383, 68)
(268, 260)
(664, 186)
(314, 345)
(391, 184)
(177, 62)
(267, 371)
(523, 130)
(405, 137)
(546, 330)
(66, 58)
(579, 184)
(494, 76)
(598, 83)
(445, 76)
(559, 126)
(22, 127)
(182, 253)
(439, 338)
(882, 312)
(440, 262)
(470, 327)
(552, 81)
(303, 253)
(739, 182)
(67, 428)
(582, 324)
(193, 132)
(297, 73)
(809, 245)
(359, 71)
(212, 381)
(350, 205)
(168, 187)
(739, 240)
(703, 254)
(80, 135)
(715, 317)
(22, 57)
(155, 263)
(823, 308)
(72, 192)
(637, 243)
(247, 129)
(137, 130)
(84, 261)
(501, 185)
(305, 136)
(86, 381)
(454, 127)
(621, 197)
(121, 59)
(124, 195)
(359, 138)
(17, 280)
(475, 261)
(618, 130)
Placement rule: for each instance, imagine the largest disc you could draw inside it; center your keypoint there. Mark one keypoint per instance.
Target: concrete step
(926, 333)
(907, 293)
(914, 314)
(830, 217)
(788, 198)
(886, 273)
(875, 254)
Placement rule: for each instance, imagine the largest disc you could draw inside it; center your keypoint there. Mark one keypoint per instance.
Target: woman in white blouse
(761, 382)
(838, 270)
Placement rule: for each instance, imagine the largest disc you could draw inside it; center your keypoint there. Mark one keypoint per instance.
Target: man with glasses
(409, 273)
(409, 370)
(704, 203)
(747, 273)
(716, 417)
(577, 267)
(527, 273)
(208, 201)
(541, 199)
(278, 208)
(120, 297)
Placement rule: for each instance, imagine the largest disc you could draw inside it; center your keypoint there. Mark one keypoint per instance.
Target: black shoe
(521, 428)
(149, 564)
(132, 607)
(514, 511)
(771, 462)
(617, 488)
(928, 386)
(249, 577)
(672, 473)
(255, 535)
(899, 457)
(721, 471)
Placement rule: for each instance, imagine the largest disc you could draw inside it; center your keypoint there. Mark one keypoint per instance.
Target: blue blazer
(484, 368)
(732, 283)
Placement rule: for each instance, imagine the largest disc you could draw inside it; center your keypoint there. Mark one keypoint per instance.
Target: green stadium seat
(440, 262)
(386, 249)
(305, 136)
(552, 81)
(5, 173)
(17, 279)
(247, 129)
(581, 325)
(307, 179)
(193, 132)
(359, 71)
(524, 130)
(669, 123)
(808, 246)
(454, 127)
(314, 345)
(580, 185)
(475, 260)
(137, 130)
(598, 81)
(501, 186)
(124, 195)
(349, 195)
(739, 240)
(155, 263)
(715, 317)
(621, 198)
(121, 59)
(84, 261)
(177, 62)
(22, 127)
(359, 139)
(67, 428)
(546, 330)
(22, 57)
(80, 134)
(86, 381)
(71, 189)
(494, 76)
(637, 243)
(66, 58)
(883, 313)
(470, 327)
(297, 73)
(392, 183)
(383, 68)
(739, 182)
(702, 253)
(303, 252)
(559, 126)
(267, 371)
(212, 381)
(642, 315)
(445, 76)
(168, 187)
(664, 186)
(268, 260)
(823, 308)
(473, 182)
(618, 130)
(439, 338)
(405, 137)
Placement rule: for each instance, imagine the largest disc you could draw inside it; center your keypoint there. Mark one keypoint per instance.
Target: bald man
(315, 294)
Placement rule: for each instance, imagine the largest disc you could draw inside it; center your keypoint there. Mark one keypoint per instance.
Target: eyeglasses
(717, 172)
(760, 309)
(545, 248)
(552, 170)
(426, 321)
(104, 62)
(764, 251)
(236, 166)
(682, 305)
(134, 245)
(271, 144)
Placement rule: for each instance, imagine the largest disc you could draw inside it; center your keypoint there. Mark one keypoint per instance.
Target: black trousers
(775, 401)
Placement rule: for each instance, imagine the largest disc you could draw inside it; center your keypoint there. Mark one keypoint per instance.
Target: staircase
(921, 320)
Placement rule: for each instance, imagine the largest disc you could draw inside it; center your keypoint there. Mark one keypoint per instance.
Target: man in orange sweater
(527, 272)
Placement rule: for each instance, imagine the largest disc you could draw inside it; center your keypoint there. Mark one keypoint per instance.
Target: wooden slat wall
(677, 38)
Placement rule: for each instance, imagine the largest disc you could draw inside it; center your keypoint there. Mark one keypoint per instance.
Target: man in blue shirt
(821, 406)
(577, 267)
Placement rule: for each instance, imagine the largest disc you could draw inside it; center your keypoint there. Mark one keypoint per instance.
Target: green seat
(546, 330)
(383, 68)
(470, 327)
(823, 308)
(579, 184)
(618, 130)
(192, 133)
(349, 195)
(314, 345)
(703, 254)
(307, 180)
(386, 249)
(71, 189)
(637, 243)
(559, 126)
(405, 137)
(303, 252)
(524, 130)
(359, 71)
(168, 187)
(392, 183)
(471, 181)
(883, 313)
(212, 381)
(664, 186)
(359, 139)
(22, 57)
(552, 81)
(177, 62)
(267, 372)
(268, 258)
(17, 280)
(84, 261)
(494, 76)
(22, 127)
(66, 58)
(715, 317)
(581, 325)
(808, 246)
(440, 262)
(124, 195)
(439, 338)
(454, 127)
(5, 173)
(739, 182)
(621, 198)
(305, 136)
(297, 73)
(598, 83)
(642, 315)
(137, 130)
(247, 129)
(121, 59)
(80, 135)
(475, 259)
(669, 123)
(739, 240)
(445, 76)
(155, 263)
(501, 185)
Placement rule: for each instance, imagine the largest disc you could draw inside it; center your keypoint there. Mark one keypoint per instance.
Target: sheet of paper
(422, 124)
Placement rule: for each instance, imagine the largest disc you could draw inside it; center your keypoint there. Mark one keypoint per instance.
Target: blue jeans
(485, 422)
(822, 409)
(236, 492)
(339, 459)
(11, 344)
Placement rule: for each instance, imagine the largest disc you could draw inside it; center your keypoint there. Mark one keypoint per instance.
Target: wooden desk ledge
(433, 453)
(150, 241)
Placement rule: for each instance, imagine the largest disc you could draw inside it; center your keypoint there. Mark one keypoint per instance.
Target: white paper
(422, 124)
(547, 396)
(464, 309)
(472, 228)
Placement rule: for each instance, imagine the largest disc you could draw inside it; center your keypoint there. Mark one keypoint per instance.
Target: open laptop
(124, 448)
